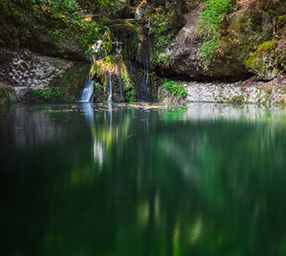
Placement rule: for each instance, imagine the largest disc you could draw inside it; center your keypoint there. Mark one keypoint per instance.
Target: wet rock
(282, 54)
(113, 80)
(122, 73)
(68, 48)
(141, 10)
(264, 61)
(243, 31)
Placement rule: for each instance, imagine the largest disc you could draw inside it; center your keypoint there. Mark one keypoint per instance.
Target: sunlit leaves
(209, 27)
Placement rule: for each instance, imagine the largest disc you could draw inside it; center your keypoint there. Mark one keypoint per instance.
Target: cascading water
(146, 64)
(120, 87)
(110, 87)
(87, 91)
(131, 68)
(112, 77)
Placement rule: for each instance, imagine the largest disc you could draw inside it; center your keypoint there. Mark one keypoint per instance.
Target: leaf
(129, 136)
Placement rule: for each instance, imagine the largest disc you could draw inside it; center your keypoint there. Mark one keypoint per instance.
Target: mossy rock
(71, 80)
(264, 61)
(250, 28)
(282, 61)
(7, 95)
(250, 21)
(117, 72)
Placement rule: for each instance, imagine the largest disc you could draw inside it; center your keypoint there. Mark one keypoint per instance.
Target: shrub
(51, 94)
(210, 27)
(175, 88)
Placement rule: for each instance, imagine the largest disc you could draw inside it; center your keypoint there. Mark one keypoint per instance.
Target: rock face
(123, 73)
(31, 70)
(264, 61)
(243, 32)
(113, 80)
(26, 71)
(249, 91)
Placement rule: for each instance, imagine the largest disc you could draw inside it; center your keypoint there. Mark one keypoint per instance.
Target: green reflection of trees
(176, 187)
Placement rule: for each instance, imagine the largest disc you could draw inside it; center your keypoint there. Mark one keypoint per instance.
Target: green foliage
(125, 80)
(51, 94)
(96, 69)
(105, 8)
(210, 27)
(6, 93)
(98, 91)
(110, 59)
(130, 95)
(66, 80)
(276, 9)
(174, 88)
(163, 31)
(273, 7)
(27, 23)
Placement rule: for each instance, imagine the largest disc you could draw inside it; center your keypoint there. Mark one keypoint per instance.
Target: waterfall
(131, 69)
(146, 64)
(120, 87)
(110, 87)
(87, 91)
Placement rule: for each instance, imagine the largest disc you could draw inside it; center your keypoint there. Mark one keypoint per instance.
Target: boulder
(264, 61)
(242, 33)
(26, 71)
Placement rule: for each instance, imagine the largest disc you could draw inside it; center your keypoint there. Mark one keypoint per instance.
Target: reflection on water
(116, 179)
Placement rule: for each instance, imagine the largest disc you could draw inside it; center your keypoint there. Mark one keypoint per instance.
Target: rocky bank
(159, 41)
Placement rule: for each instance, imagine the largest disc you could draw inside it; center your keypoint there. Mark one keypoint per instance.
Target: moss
(7, 95)
(282, 60)
(268, 46)
(71, 80)
(84, 73)
(264, 61)
(238, 99)
(256, 58)
(247, 30)
(250, 21)
(96, 69)
(126, 62)
(268, 92)
(253, 61)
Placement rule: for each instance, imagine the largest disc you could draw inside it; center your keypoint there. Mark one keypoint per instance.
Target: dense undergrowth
(33, 23)
(210, 27)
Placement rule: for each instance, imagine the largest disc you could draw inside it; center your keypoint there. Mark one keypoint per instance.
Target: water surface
(115, 179)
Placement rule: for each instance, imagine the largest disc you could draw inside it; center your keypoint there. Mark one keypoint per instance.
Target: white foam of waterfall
(146, 81)
(131, 69)
(87, 91)
(110, 87)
